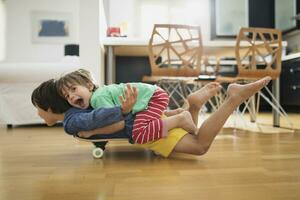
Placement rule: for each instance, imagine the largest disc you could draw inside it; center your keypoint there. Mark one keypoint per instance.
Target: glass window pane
(230, 16)
(284, 11)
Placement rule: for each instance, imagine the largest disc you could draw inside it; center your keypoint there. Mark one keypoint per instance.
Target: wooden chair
(258, 54)
(175, 54)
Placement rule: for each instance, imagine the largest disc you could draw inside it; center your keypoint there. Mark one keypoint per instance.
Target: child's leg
(195, 100)
(182, 120)
(148, 125)
(169, 113)
(237, 94)
(198, 98)
(146, 130)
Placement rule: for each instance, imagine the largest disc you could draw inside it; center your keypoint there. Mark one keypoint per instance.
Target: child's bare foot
(198, 98)
(186, 122)
(240, 93)
(173, 112)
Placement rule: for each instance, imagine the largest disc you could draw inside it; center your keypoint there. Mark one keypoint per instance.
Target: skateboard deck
(100, 140)
(99, 144)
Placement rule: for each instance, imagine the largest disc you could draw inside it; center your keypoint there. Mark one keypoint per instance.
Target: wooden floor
(44, 163)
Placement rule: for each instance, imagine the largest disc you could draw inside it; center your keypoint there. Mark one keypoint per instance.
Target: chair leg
(252, 107)
(275, 105)
(175, 91)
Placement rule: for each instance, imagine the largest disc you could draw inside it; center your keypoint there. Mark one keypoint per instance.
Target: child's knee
(200, 150)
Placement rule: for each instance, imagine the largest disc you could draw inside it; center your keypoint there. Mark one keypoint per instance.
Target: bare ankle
(186, 122)
(234, 101)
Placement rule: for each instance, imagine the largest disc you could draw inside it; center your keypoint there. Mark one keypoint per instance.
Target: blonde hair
(79, 77)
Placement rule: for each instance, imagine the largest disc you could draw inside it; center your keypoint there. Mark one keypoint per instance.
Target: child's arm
(127, 102)
(110, 129)
(101, 117)
(86, 120)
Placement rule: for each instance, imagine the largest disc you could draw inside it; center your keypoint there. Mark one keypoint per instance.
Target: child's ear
(49, 110)
(90, 86)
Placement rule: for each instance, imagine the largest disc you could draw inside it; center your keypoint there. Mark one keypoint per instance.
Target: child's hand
(84, 134)
(129, 99)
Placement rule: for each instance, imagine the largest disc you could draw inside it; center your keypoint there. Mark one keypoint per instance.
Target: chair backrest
(175, 50)
(258, 52)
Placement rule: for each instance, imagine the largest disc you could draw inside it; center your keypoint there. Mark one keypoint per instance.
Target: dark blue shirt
(77, 120)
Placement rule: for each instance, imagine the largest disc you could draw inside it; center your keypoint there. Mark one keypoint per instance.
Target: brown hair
(46, 96)
(79, 77)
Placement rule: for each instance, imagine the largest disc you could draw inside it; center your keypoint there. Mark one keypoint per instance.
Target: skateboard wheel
(98, 152)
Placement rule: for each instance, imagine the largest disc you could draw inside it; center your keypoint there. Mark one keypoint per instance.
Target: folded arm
(110, 129)
(93, 119)
(103, 120)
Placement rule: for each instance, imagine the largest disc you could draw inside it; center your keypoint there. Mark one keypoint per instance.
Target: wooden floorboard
(44, 163)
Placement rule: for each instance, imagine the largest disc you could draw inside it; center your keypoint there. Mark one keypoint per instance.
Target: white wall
(103, 18)
(89, 39)
(102, 29)
(142, 14)
(124, 11)
(2, 30)
(19, 47)
(293, 40)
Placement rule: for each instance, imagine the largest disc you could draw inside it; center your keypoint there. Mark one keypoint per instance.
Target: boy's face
(78, 96)
(49, 117)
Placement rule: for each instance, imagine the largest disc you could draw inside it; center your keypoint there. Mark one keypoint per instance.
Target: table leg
(276, 93)
(111, 66)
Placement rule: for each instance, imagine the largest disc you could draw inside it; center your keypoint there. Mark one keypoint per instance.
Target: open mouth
(80, 102)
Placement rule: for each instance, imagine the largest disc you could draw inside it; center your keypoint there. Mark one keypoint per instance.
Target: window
(284, 13)
(189, 12)
(228, 16)
(140, 15)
